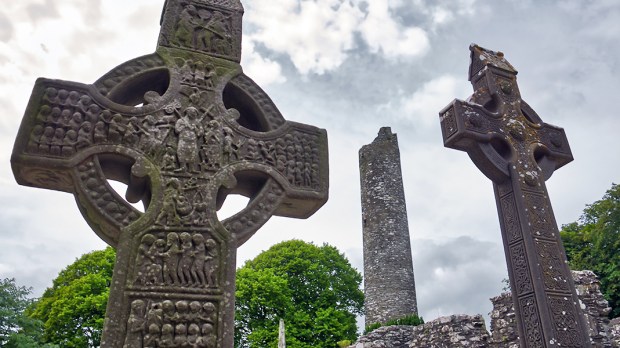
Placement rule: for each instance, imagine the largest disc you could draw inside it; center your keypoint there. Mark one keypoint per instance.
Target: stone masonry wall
(467, 331)
(389, 284)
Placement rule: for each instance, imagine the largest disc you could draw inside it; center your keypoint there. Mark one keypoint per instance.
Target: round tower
(389, 284)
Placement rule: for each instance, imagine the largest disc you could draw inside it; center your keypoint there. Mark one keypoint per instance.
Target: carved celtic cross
(183, 128)
(514, 148)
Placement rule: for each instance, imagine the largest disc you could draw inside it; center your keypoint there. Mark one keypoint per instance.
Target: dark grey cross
(514, 148)
(183, 128)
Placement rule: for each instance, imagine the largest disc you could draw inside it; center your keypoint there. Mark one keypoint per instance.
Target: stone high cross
(514, 148)
(183, 128)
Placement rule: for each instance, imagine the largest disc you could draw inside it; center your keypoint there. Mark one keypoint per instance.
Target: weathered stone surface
(183, 128)
(595, 309)
(444, 332)
(389, 284)
(614, 332)
(514, 148)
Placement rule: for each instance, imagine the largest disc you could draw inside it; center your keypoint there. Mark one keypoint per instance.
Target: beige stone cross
(183, 128)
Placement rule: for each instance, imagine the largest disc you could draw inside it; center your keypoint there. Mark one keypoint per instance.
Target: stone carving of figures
(168, 310)
(199, 74)
(315, 176)
(117, 129)
(185, 27)
(51, 95)
(207, 339)
(84, 103)
(53, 118)
(73, 99)
(44, 113)
(267, 152)
(144, 258)
(209, 75)
(182, 314)
(307, 175)
(76, 121)
(200, 213)
(299, 173)
(132, 132)
(85, 137)
(171, 259)
(185, 262)
(92, 112)
(187, 72)
(194, 312)
(189, 128)
(148, 141)
(180, 335)
(154, 271)
(193, 332)
(135, 325)
(155, 316)
(100, 135)
(198, 265)
(63, 94)
(211, 151)
(214, 32)
(152, 337)
(35, 138)
(65, 117)
(209, 314)
(290, 171)
(167, 336)
(251, 150)
(211, 263)
(59, 136)
(168, 214)
(170, 159)
(229, 147)
(69, 142)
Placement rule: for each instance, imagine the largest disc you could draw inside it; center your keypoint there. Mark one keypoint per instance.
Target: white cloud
(384, 35)
(262, 70)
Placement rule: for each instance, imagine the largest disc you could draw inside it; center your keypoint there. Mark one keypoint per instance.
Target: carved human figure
(168, 214)
(68, 143)
(207, 339)
(194, 312)
(57, 140)
(180, 335)
(193, 333)
(167, 336)
(135, 325)
(211, 264)
(116, 128)
(189, 128)
(152, 337)
(155, 315)
(198, 265)
(182, 312)
(154, 275)
(168, 310)
(84, 135)
(171, 259)
(145, 258)
(209, 314)
(170, 159)
(186, 259)
(149, 138)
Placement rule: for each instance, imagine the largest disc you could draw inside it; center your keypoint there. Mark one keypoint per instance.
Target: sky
(350, 67)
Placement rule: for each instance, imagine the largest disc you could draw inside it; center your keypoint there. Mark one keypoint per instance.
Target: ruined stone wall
(467, 331)
(389, 284)
(445, 332)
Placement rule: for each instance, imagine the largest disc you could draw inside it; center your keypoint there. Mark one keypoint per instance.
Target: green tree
(314, 289)
(16, 328)
(73, 309)
(593, 242)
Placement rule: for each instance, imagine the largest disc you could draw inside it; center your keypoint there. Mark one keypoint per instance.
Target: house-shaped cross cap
(498, 129)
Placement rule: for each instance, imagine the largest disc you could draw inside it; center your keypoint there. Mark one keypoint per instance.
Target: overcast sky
(351, 67)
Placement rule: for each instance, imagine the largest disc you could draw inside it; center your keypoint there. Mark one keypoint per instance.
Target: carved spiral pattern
(531, 322)
(520, 269)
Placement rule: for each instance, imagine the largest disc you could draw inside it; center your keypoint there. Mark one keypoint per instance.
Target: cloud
(262, 70)
(384, 35)
(318, 36)
(457, 275)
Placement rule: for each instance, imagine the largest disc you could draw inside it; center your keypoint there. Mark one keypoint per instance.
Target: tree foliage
(13, 302)
(314, 289)
(73, 309)
(593, 242)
